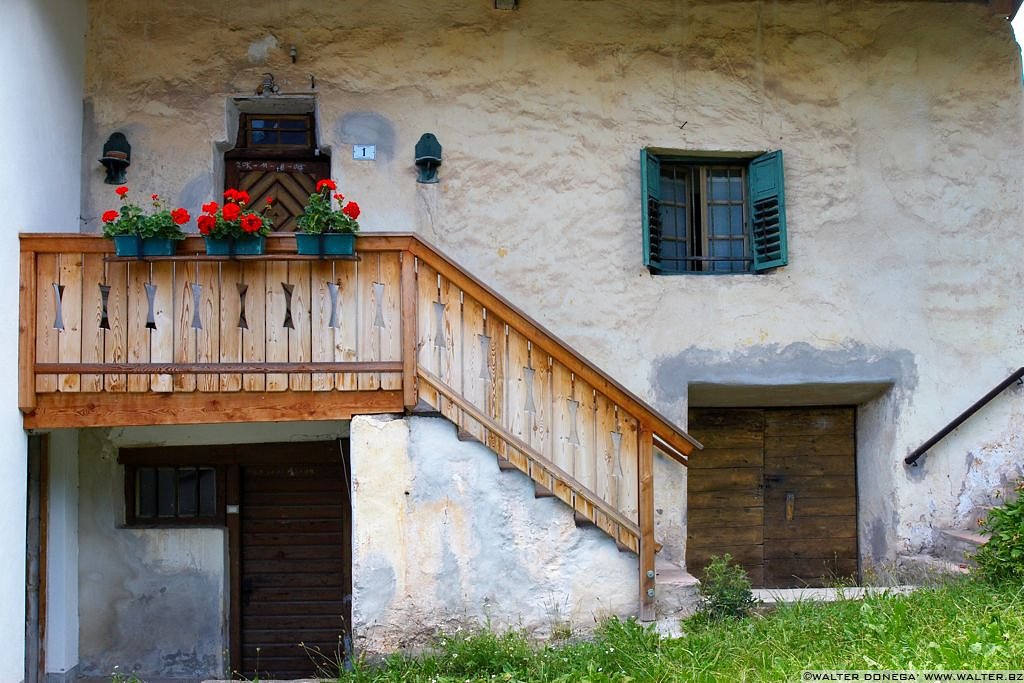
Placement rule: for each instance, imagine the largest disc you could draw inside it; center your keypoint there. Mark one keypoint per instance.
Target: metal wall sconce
(428, 158)
(117, 157)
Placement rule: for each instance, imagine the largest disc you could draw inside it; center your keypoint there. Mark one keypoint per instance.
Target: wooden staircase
(192, 338)
(543, 409)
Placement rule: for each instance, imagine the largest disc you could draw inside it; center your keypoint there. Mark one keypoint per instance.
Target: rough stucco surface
(900, 122)
(442, 539)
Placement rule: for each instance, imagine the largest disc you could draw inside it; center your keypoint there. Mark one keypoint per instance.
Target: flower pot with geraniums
(324, 230)
(136, 233)
(234, 229)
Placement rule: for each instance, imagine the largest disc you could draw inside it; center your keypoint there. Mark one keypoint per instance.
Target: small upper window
(705, 215)
(287, 131)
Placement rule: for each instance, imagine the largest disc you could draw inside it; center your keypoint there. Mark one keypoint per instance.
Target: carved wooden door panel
(288, 183)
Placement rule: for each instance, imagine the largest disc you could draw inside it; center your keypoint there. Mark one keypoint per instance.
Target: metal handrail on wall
(963, 417)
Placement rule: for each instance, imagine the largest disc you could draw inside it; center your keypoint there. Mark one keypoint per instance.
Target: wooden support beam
(59, 410)
(409, 329)
(645, 496)
(27, 332)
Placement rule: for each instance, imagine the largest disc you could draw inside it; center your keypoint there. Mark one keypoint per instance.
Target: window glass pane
(207, 491)
(166, 491)
(293, 124)
(719, 185)
(721, 248)
(188, 492)
(736, 187)
(258, 123)
(145, 492)
(258, 137)
(289, 138)
(718, 220)
(736, 219)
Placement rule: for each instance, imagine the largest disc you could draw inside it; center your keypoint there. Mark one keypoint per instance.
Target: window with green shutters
(713, 215)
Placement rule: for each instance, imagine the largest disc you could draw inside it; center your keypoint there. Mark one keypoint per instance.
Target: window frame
(764, 216)
(132, 467)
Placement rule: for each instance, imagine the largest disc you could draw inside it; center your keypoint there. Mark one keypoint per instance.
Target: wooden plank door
(776, 489)
(810, 496)
(725, 491)
(289, 183)
(295, 569)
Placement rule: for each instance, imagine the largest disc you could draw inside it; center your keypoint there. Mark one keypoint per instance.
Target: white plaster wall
(901, 123)
(42, 48)
(62, 553)
(442, 539)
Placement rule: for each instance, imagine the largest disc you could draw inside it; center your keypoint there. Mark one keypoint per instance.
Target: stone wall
(901, 126)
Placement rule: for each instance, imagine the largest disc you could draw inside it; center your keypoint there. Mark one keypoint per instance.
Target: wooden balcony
(109, 341)
(106, 341)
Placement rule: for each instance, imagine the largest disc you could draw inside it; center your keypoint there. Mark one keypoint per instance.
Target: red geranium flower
(340, 197)
(326, 182)
(230, 194)
(180, 216)
(242, 197)
(122, 191)
(210, 207)
(154, 197)
(351, 210)
(231, 211)
(206, 223)
(110, 216)
(270, 200)
(251, 222)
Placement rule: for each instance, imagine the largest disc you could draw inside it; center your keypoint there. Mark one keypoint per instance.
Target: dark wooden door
(289, 183)
(777, 490)
(295, 570)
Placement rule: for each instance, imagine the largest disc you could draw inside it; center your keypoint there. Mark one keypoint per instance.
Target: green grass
(966, 625)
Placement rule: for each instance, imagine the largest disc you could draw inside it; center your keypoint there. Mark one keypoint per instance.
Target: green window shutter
(768, 211)
(650, 195)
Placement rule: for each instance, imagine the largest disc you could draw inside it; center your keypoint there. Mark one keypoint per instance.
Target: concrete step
(676, 591)
(463, 435)
(505, 466)
(542, 491)
(581, 521)
(957, 545)
(927, 569)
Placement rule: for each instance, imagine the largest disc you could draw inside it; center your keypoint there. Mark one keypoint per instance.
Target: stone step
(957, 545)
(927, 569)
(676, 591)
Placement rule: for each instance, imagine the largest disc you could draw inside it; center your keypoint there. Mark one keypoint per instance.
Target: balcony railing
(93, 324)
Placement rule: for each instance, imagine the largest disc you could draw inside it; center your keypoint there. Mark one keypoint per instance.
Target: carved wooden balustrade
(108, 341)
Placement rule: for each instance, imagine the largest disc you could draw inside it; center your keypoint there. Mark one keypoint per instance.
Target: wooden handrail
(660, 425)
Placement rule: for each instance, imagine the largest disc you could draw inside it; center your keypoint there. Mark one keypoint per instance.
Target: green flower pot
(327, 244)
(251, 245)
(130, 245)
